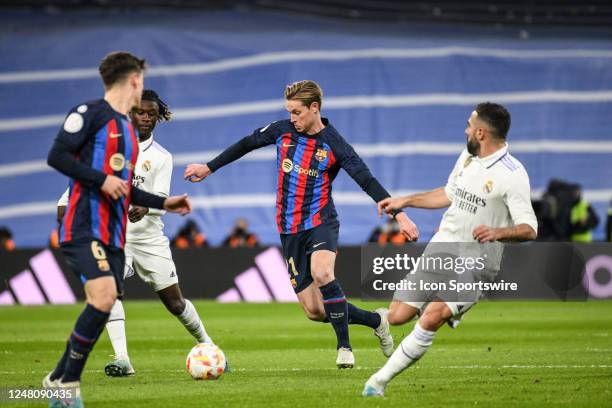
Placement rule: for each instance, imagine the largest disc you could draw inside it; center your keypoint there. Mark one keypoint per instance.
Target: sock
(61, 365)
(336, 310)
(362, 317)
(116, 330)
(86, 331)
(411, 349)
(192, 322)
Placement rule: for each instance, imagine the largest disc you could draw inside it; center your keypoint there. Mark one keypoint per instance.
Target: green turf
(503, 354)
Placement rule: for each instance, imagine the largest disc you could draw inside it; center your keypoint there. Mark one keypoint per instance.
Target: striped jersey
(105, 141)
(306, 167)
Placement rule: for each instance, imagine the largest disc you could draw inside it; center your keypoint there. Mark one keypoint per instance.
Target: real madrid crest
(321, 155)
(488, 187)
(117, 162)
(146, 166)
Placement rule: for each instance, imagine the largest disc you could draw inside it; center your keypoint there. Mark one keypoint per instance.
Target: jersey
(306, 167)
(153, 173)
(104, 141)
(492, 190)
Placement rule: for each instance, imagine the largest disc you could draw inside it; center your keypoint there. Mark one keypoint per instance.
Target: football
(205, 361)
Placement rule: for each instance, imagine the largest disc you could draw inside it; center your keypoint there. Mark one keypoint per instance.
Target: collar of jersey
(142, 146)
(491, 159)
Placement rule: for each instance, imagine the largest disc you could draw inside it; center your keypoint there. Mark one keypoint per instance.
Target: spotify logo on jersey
(287, 165)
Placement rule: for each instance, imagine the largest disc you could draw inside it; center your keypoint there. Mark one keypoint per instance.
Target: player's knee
(104, 301)
(395, 318)
(322, 275)
(176, 306)
(432, 320)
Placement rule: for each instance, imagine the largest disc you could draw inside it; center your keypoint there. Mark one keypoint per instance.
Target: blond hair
(305, 91)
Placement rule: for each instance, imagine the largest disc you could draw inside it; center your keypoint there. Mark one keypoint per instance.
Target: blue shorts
(298, 247)
(91, 259)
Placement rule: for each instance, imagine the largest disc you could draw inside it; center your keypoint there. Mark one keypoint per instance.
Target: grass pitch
(503, 354)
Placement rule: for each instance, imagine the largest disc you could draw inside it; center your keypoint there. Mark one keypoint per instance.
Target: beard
(472, 147)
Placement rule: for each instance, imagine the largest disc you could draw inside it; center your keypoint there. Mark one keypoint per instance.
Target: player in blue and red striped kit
(310, 153)
(97, 148)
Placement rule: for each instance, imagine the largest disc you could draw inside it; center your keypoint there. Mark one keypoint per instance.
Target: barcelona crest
(321, 155)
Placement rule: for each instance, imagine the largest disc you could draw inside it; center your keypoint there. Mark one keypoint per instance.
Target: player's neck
(316, 127)
(489, 149)
(118, 100)
(144, 138)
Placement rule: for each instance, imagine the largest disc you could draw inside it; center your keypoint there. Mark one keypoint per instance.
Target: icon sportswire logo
(265, 282)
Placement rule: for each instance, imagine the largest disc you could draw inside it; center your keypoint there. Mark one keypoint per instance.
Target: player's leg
(184, 311)
(154, 265)
(411, 349)
(120, 366)
(98, 266)
(402, 312)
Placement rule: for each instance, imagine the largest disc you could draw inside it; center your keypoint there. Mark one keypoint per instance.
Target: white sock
(410, 350)
(193, 324)
(116, 330)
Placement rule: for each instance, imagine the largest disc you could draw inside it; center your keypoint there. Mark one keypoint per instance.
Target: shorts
(153, 263)
(298, 247)
(91, 259)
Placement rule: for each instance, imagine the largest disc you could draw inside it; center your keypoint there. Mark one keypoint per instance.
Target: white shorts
(153, 263)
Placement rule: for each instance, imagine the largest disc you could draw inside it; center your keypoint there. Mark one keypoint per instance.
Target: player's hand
(137, 213)
(389, 205)
(178, 204)
(115, 187)
(407, 227)
(196, 172)
(483, 233)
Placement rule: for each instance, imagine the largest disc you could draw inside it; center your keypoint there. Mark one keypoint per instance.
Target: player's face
(145, 118)
(303, 117)
(473, 146)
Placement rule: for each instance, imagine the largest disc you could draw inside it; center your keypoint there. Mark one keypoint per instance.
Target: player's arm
(518, 201)
(350, 161)
(62, 157)
(260, 138)
(161, 187)
(175, 204)
(430, 199)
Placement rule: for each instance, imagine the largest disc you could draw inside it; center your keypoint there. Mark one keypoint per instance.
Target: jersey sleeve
(451, 183)
(518, 199)
(70, 139)
(161, 184)
(259, 138)
(350, 161)
(63, 201)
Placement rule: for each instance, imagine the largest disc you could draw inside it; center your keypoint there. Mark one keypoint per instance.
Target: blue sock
(363, 317)
(86, 331)
(336, 310)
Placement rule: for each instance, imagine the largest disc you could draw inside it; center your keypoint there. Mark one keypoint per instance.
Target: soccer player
(97, 147)
(488, 200)
(147, 249)
(310, 153)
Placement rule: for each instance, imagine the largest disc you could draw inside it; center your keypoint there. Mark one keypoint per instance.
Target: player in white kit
(488, 200)
(147, 249)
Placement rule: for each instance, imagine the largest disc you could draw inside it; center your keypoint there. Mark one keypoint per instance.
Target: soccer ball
(205, 361)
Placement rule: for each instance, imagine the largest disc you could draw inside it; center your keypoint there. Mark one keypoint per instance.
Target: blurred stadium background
(400, 79)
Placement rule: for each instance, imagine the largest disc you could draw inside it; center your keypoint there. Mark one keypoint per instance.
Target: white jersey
(152, 174)
(492, 190)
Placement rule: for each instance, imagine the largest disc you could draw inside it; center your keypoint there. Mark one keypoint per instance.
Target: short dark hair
(164, 110)
(116, 66)
(496, 116)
